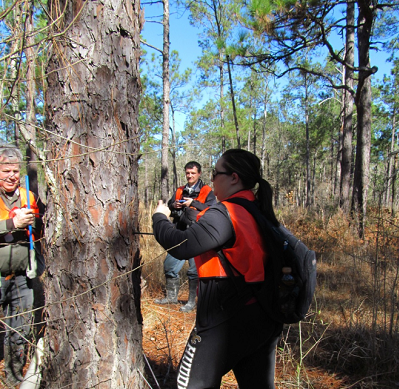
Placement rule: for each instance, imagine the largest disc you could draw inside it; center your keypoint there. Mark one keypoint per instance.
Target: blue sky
(183, 36)
(184, 39)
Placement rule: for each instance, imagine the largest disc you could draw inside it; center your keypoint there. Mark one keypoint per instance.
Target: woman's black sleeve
(210, 200)
(213, 230)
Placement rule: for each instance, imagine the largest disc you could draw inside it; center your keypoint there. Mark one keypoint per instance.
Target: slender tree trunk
(233, 104)
(391, 158)
(363, 103)
(387, 183)
(221, 98)
(338, 159)
(313, 178)
(338, 162)
(214, 5)
(394, 177)
(362, 163)
(146, 184)
(308, 177)
(335, 161)
(166, 104)
(92, 284)
(263, 147)
(253, 110)
(30, 98)
(348, 109)
(255, 134)
(173, 151)
(15, 66)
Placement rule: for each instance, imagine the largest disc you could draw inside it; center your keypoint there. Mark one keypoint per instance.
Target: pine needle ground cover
(350, 338)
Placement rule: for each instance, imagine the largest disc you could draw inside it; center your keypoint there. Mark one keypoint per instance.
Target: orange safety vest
(6, 213)
(248, 253)
(203, 194)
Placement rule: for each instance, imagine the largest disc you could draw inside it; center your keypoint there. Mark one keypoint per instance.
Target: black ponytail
(247, 166)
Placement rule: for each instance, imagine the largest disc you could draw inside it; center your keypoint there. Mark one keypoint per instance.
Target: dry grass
(351, 336)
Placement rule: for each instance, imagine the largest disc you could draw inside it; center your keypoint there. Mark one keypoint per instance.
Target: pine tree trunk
(263, 145)
(348, 109)
(174, 149)
(233, 104)
(363, 103)
(166, 104)
(391, 158)
(30, 102)
(15, 68)
(307, 136)
(394, 177)
(221, 99)
(92, 288)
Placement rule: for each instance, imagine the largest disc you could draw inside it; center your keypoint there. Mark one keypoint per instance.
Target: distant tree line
(295, 85)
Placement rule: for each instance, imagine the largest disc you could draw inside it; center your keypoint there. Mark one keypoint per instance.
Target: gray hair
(10, 153)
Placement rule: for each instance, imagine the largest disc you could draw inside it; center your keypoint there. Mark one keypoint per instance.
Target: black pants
(245, 344)
(16, 297)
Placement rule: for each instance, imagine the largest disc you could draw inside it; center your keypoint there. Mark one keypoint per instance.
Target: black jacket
(184, 217)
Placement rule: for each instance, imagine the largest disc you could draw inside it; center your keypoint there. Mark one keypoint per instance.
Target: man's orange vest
(203, 194)
(248, 253)
(6, 213)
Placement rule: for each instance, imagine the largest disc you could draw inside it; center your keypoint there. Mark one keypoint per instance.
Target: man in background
(185, 204)
(18, 265)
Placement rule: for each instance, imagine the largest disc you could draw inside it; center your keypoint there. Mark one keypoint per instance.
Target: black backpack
(285, 302)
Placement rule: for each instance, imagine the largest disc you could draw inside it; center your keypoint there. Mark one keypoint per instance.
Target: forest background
(107, 121)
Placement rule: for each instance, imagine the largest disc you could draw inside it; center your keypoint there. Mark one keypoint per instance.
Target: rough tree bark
(214, 6)
(346, 159)
(233, 103)
(30, 97)
(307, 135)
(255, 116)
(221, 99)
(393, 164)
(93, 335)
(363, 104)
(263, 151)
(166, 104)
(174, 149)
(15, 69)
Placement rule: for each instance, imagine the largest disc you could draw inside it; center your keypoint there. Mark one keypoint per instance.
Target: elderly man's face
(9, 175)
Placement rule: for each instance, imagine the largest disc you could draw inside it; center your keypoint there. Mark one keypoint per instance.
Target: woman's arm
(213, 230)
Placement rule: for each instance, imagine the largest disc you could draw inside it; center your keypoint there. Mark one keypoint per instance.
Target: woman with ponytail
(247, 167)
(232, 331)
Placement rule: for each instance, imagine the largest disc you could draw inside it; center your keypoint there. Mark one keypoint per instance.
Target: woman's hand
(162, 208)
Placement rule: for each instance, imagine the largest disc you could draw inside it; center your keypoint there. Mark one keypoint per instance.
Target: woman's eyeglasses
(215, 173)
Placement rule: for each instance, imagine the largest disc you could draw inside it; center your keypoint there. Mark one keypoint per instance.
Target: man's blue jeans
(172, 267)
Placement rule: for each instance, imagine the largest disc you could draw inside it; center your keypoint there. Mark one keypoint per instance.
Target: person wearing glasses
(232, 332)
(17, 264)
(185, 204)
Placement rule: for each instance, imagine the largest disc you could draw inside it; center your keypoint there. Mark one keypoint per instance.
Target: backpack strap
(253, 209)
(268, 230)
(227, 268)
(243, 292)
